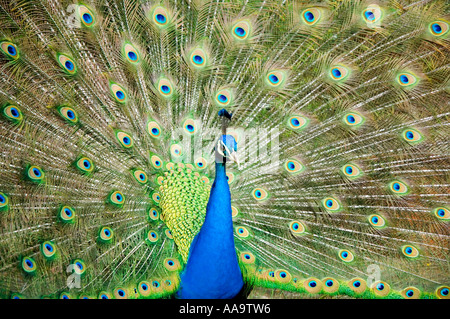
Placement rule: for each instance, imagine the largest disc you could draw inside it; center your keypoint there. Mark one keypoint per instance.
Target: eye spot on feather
(297, 228)
(242, 232)
(399, 188)
(443, 292)
(118, 92)
(260, 194)
(241, 30)
(247, 257)
(311, 16)
(86, 15)
(372, 14)
(442, 213)
(79, 266)
(154, 129)
(410, 251)
(67, 214)
(67, 64)
(353, 119)
(200, 163)
(276, 78)
(377, 221)
(412, 136)
(153, 213)
(124, 139)
(331, 204)
(9, 49)
(105, 235)
(282, 276)
(223, 97)
(120, 293)
(438, 28)
(339, 73)
(29, 265)
(357, 285)
(190, 127)
(381, 288)
(35, 174)
(330, 285)
(346, 256)
(151, 237)
(144, 288)
(168, 234)
(198, 58)
(48, 250)
(4, 201)
(411, 293)
(406, 80)
(312, 285)
(297, 122)
(13, 114)
(68, 114)
(293, 166)
(172, 264)
(131, 53)
(351, 171)
(160, 17)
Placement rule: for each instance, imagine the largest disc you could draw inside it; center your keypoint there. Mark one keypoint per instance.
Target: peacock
(209, 149)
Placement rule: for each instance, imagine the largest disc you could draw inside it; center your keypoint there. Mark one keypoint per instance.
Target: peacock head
(226, 149)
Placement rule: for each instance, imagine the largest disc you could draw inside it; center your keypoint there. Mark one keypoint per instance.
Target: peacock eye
(339, 73)
(351, 171)
(171, 264)
(443, 292)
(372, 14)
(48, 250)
(118, 92)
(29, 265)
(399, 188)
(106, 235)
(297, 228)
(154, 129)
(412, 136)
(346, 255)
(69, 114)
(297, 122)
(407, 80)
(87, 17)
(67, 64)
(4, 200)
(198, 58)
(160, 17)
(190, 127)
(377, 221)
(311, 16)
(140, 176)
(331, 204)
(260, 194)
(438, 28)
(10, 49)
(79, 267)
(165, 88)
(35, 174)
(224, 97)
(353, 119)
(241, 30)
(442, 213)
(124, 139)
(242, 232)
(276, 78)
(13, 114)
(131, 53)
(293, 166)
(410, 251)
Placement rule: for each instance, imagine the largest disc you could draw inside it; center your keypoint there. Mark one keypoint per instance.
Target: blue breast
(212, 270)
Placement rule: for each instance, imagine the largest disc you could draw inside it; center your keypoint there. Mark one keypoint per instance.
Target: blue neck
(212, 270)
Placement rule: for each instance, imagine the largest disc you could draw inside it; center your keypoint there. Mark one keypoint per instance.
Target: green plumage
(108, 123)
